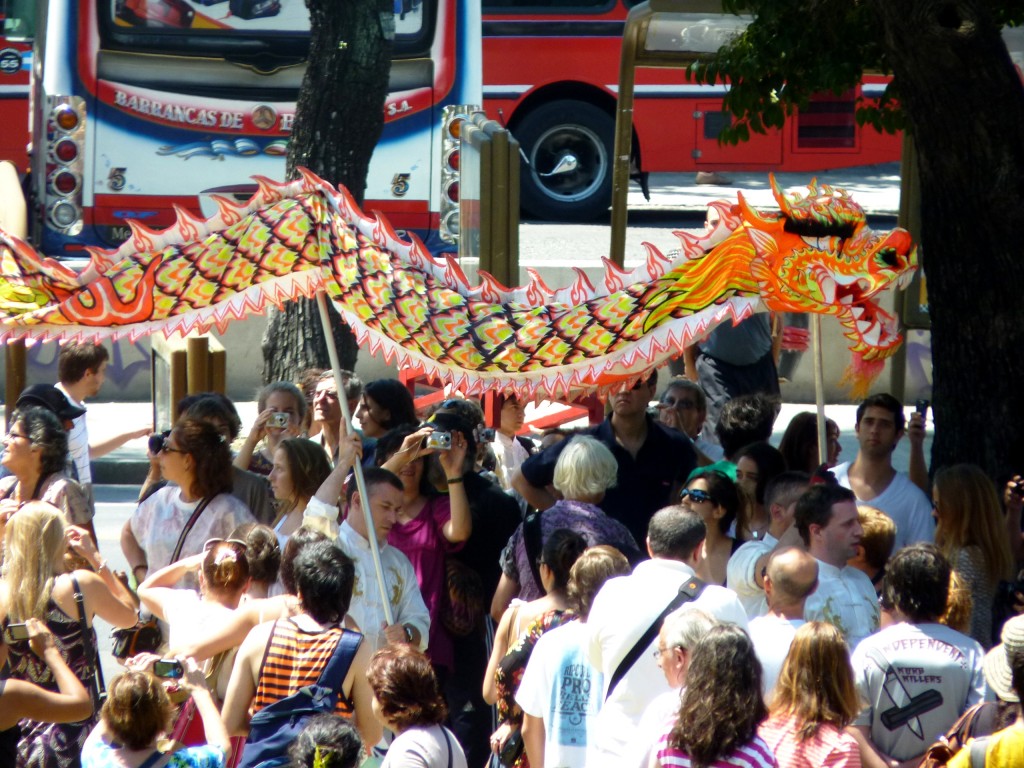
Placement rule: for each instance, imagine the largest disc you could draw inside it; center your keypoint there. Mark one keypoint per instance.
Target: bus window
(19, 19)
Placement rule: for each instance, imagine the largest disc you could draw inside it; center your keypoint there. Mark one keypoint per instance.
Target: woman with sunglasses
(196, 504)
(716, 499)
(35, 453)
(223, 575)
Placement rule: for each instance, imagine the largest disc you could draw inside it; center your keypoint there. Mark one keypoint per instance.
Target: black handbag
(512, 748)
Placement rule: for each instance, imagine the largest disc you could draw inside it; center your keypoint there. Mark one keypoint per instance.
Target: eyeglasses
(656, 654)
(682, 405)
(696, 494)
(166, 448)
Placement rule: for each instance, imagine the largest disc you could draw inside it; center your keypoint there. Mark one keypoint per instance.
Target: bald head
(793, 574)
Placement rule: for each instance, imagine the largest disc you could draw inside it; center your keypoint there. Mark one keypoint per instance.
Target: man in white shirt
(791, 576)
(826, 518)
(411, 618)
(745, 572)
(623, 611)
(82, 369)
(916, 675)
(874, 480)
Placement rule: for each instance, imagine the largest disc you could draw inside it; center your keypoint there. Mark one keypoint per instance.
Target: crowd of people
(653, 590)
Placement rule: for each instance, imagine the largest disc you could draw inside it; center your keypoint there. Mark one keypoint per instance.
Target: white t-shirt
(904, 502)
(78, 441)
(772, 636)
(563, 689)
(917, 680)
(425, 747)
(623, 610)
(159, 520)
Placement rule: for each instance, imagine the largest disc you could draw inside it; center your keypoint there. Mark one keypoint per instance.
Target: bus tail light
(453, 117)
(64, 166)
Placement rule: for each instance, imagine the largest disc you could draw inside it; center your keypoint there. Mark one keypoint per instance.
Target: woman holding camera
(138, 712)
(35, 586)
(282, 411)
(429, 524)
(195, 457)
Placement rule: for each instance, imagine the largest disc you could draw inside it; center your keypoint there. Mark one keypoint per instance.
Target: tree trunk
(965, 107)
(338, 121)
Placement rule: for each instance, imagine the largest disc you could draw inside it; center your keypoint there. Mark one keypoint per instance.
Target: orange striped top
(294, 658)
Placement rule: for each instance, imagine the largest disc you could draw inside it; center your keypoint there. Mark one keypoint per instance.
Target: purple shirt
(587, 520)
(423, 542)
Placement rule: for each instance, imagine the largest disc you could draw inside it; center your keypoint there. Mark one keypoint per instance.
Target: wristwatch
(408, 632)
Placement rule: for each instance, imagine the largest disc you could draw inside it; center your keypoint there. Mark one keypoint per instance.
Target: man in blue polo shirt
(653, 461)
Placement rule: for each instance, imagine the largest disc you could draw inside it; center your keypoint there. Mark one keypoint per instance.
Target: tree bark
(965, 106)
(338, 121)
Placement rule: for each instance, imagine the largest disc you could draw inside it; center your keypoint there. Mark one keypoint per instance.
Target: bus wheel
(567, 174)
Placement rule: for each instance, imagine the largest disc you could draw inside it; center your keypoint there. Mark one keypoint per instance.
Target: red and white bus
(139, 106)
(551, 73)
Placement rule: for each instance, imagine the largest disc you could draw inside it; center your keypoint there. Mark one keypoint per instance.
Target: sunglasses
(696, 494)
(211, 543)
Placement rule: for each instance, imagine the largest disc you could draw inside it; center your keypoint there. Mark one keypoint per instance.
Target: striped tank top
(294, 658)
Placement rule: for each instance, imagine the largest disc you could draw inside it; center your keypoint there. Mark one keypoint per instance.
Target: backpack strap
(688, 590)
(533, 542)
(335, 670)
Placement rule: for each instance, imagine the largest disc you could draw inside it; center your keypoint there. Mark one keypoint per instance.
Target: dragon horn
(749, 212)
(780, 196)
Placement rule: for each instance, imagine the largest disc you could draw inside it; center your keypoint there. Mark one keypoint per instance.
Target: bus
(139, 106)
(551, 73)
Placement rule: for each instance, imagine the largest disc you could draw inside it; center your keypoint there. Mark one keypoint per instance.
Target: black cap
(52, 399)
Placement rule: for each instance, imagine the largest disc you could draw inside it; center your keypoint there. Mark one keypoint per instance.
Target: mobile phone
(17, 632)
(169, 668)
(279, 419)
(441, 441)
(921, 406)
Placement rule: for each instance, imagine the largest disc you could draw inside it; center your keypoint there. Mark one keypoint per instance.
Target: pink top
(828, 747)
(422, 541)
(754, 754)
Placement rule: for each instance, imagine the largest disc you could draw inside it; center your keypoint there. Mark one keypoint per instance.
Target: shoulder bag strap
(448, 743)
(88, 642)
(532, 541)
(689, 590)
(978, 749)
(188, 527)
(333, 674)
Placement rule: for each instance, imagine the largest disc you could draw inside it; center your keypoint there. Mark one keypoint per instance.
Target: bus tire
(554, 133)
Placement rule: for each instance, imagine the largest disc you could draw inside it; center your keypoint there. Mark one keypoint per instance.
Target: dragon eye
(889, 257)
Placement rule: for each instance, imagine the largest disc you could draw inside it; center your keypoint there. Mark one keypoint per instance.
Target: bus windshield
(19, 19)
(204, 27)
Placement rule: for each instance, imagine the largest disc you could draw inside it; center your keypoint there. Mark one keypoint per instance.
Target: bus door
(762, 149)
(17, 29)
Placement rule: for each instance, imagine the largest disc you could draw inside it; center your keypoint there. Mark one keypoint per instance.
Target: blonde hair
(879, 535)
(33, 549)
(969, 514)
(586, 467)
(816, 682)
(959, 604)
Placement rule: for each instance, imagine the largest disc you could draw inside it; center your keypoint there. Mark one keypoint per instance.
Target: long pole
(357, 468)
(819, 387)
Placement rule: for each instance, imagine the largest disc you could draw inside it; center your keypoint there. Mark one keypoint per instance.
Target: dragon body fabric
(815, 255)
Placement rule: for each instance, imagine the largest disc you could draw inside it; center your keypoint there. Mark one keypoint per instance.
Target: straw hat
(997, 661)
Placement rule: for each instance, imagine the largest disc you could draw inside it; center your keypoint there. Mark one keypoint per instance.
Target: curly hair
(212, 474)
(916, 583)
(586, 468)
(816, 683)
(406, 688)
(331, 738)
(722, 706)
(137, 710)
(46, 433)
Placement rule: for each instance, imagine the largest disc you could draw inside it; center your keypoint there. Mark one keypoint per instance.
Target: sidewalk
(128, 465)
